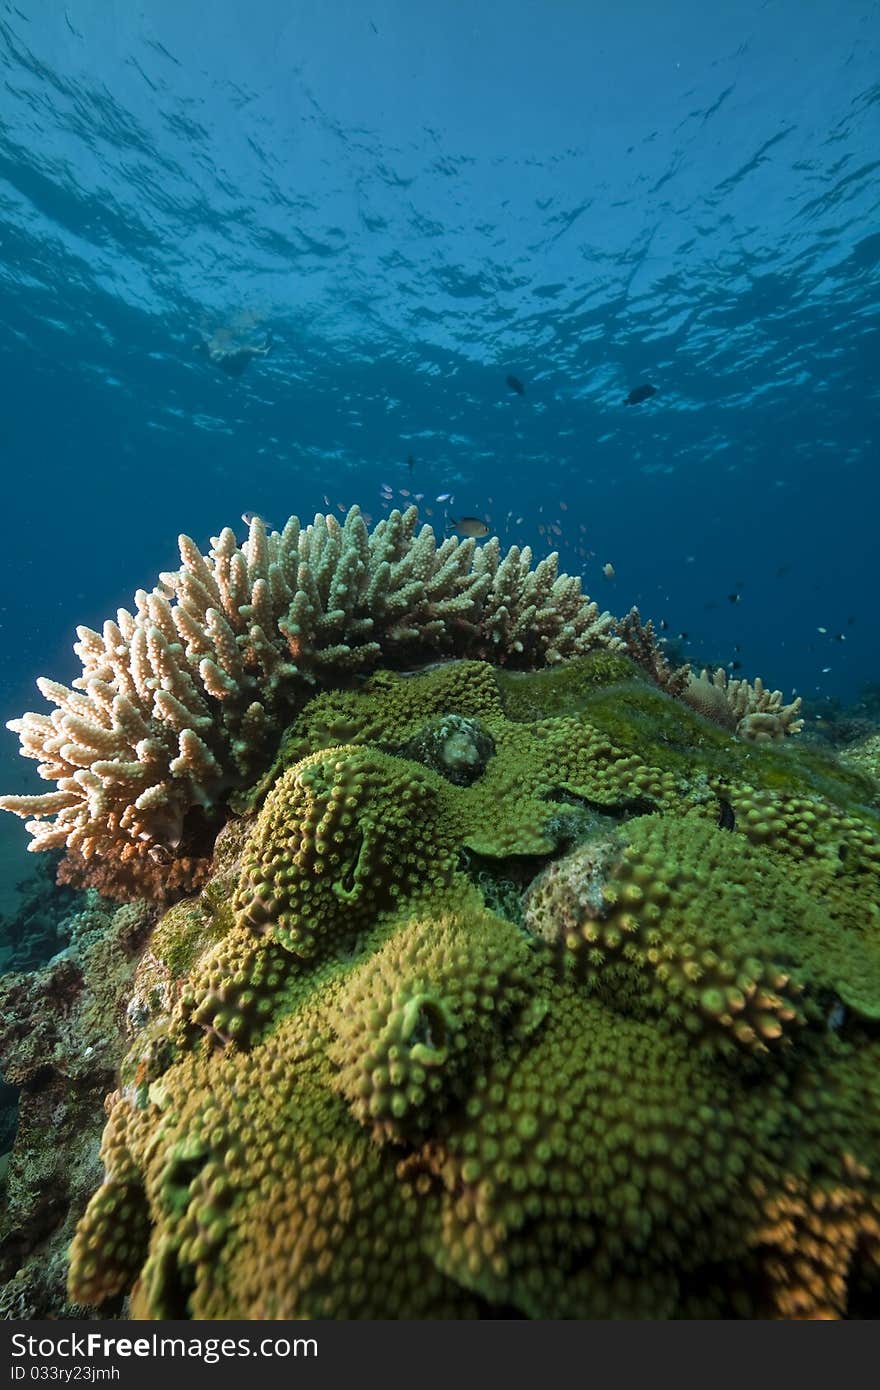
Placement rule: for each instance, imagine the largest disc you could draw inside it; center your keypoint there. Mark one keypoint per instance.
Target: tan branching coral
(179, 701)
(641, 646)
(751, 711)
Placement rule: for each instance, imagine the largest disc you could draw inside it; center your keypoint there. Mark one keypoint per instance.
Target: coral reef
(643, 647)
(63, 1032)
(39, 928)
(865, 755)
(589, 1032)
(843, 724)
(747, 709)
(183, 699)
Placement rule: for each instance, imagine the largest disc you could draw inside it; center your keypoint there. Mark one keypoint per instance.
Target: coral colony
(475, 962)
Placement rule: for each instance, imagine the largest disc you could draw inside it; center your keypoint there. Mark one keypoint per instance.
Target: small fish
(726, 815)
(734, 665)
(410, 462)
(640, 393)
(839, 637)
(516, 385)
(445, 497)
(663, 625)
(823, 630)
(836, 1017)
(682, 637)
(471, 526)
(734, 598)
(608, 570)
(248, 517)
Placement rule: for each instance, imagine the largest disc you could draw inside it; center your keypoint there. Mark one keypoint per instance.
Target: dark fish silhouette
(516, 385)
(640, 393)
(726, 815)
(471, 526)
(410, 463)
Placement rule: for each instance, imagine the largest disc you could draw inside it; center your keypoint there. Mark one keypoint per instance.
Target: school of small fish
(478, 527)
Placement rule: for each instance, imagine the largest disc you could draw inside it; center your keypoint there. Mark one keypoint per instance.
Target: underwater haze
(407, 204)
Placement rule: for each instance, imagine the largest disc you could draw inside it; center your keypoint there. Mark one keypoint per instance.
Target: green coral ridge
(577, 1021)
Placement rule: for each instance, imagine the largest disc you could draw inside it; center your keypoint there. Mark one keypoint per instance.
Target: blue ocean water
(416, 201)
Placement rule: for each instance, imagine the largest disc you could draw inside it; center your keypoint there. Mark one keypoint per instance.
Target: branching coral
(180, 700)
(756, 714)
(641, 645)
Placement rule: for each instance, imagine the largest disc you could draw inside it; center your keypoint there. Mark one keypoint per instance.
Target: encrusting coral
(181, 700)
(589, 1033)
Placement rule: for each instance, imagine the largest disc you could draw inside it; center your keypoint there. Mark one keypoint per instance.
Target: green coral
(423, 1012)
(342, 836)
(588, 1033)
(663, 916)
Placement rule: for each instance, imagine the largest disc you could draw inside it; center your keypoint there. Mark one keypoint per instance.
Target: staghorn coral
(754, 713)
(372, 1095)
(181, 700)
